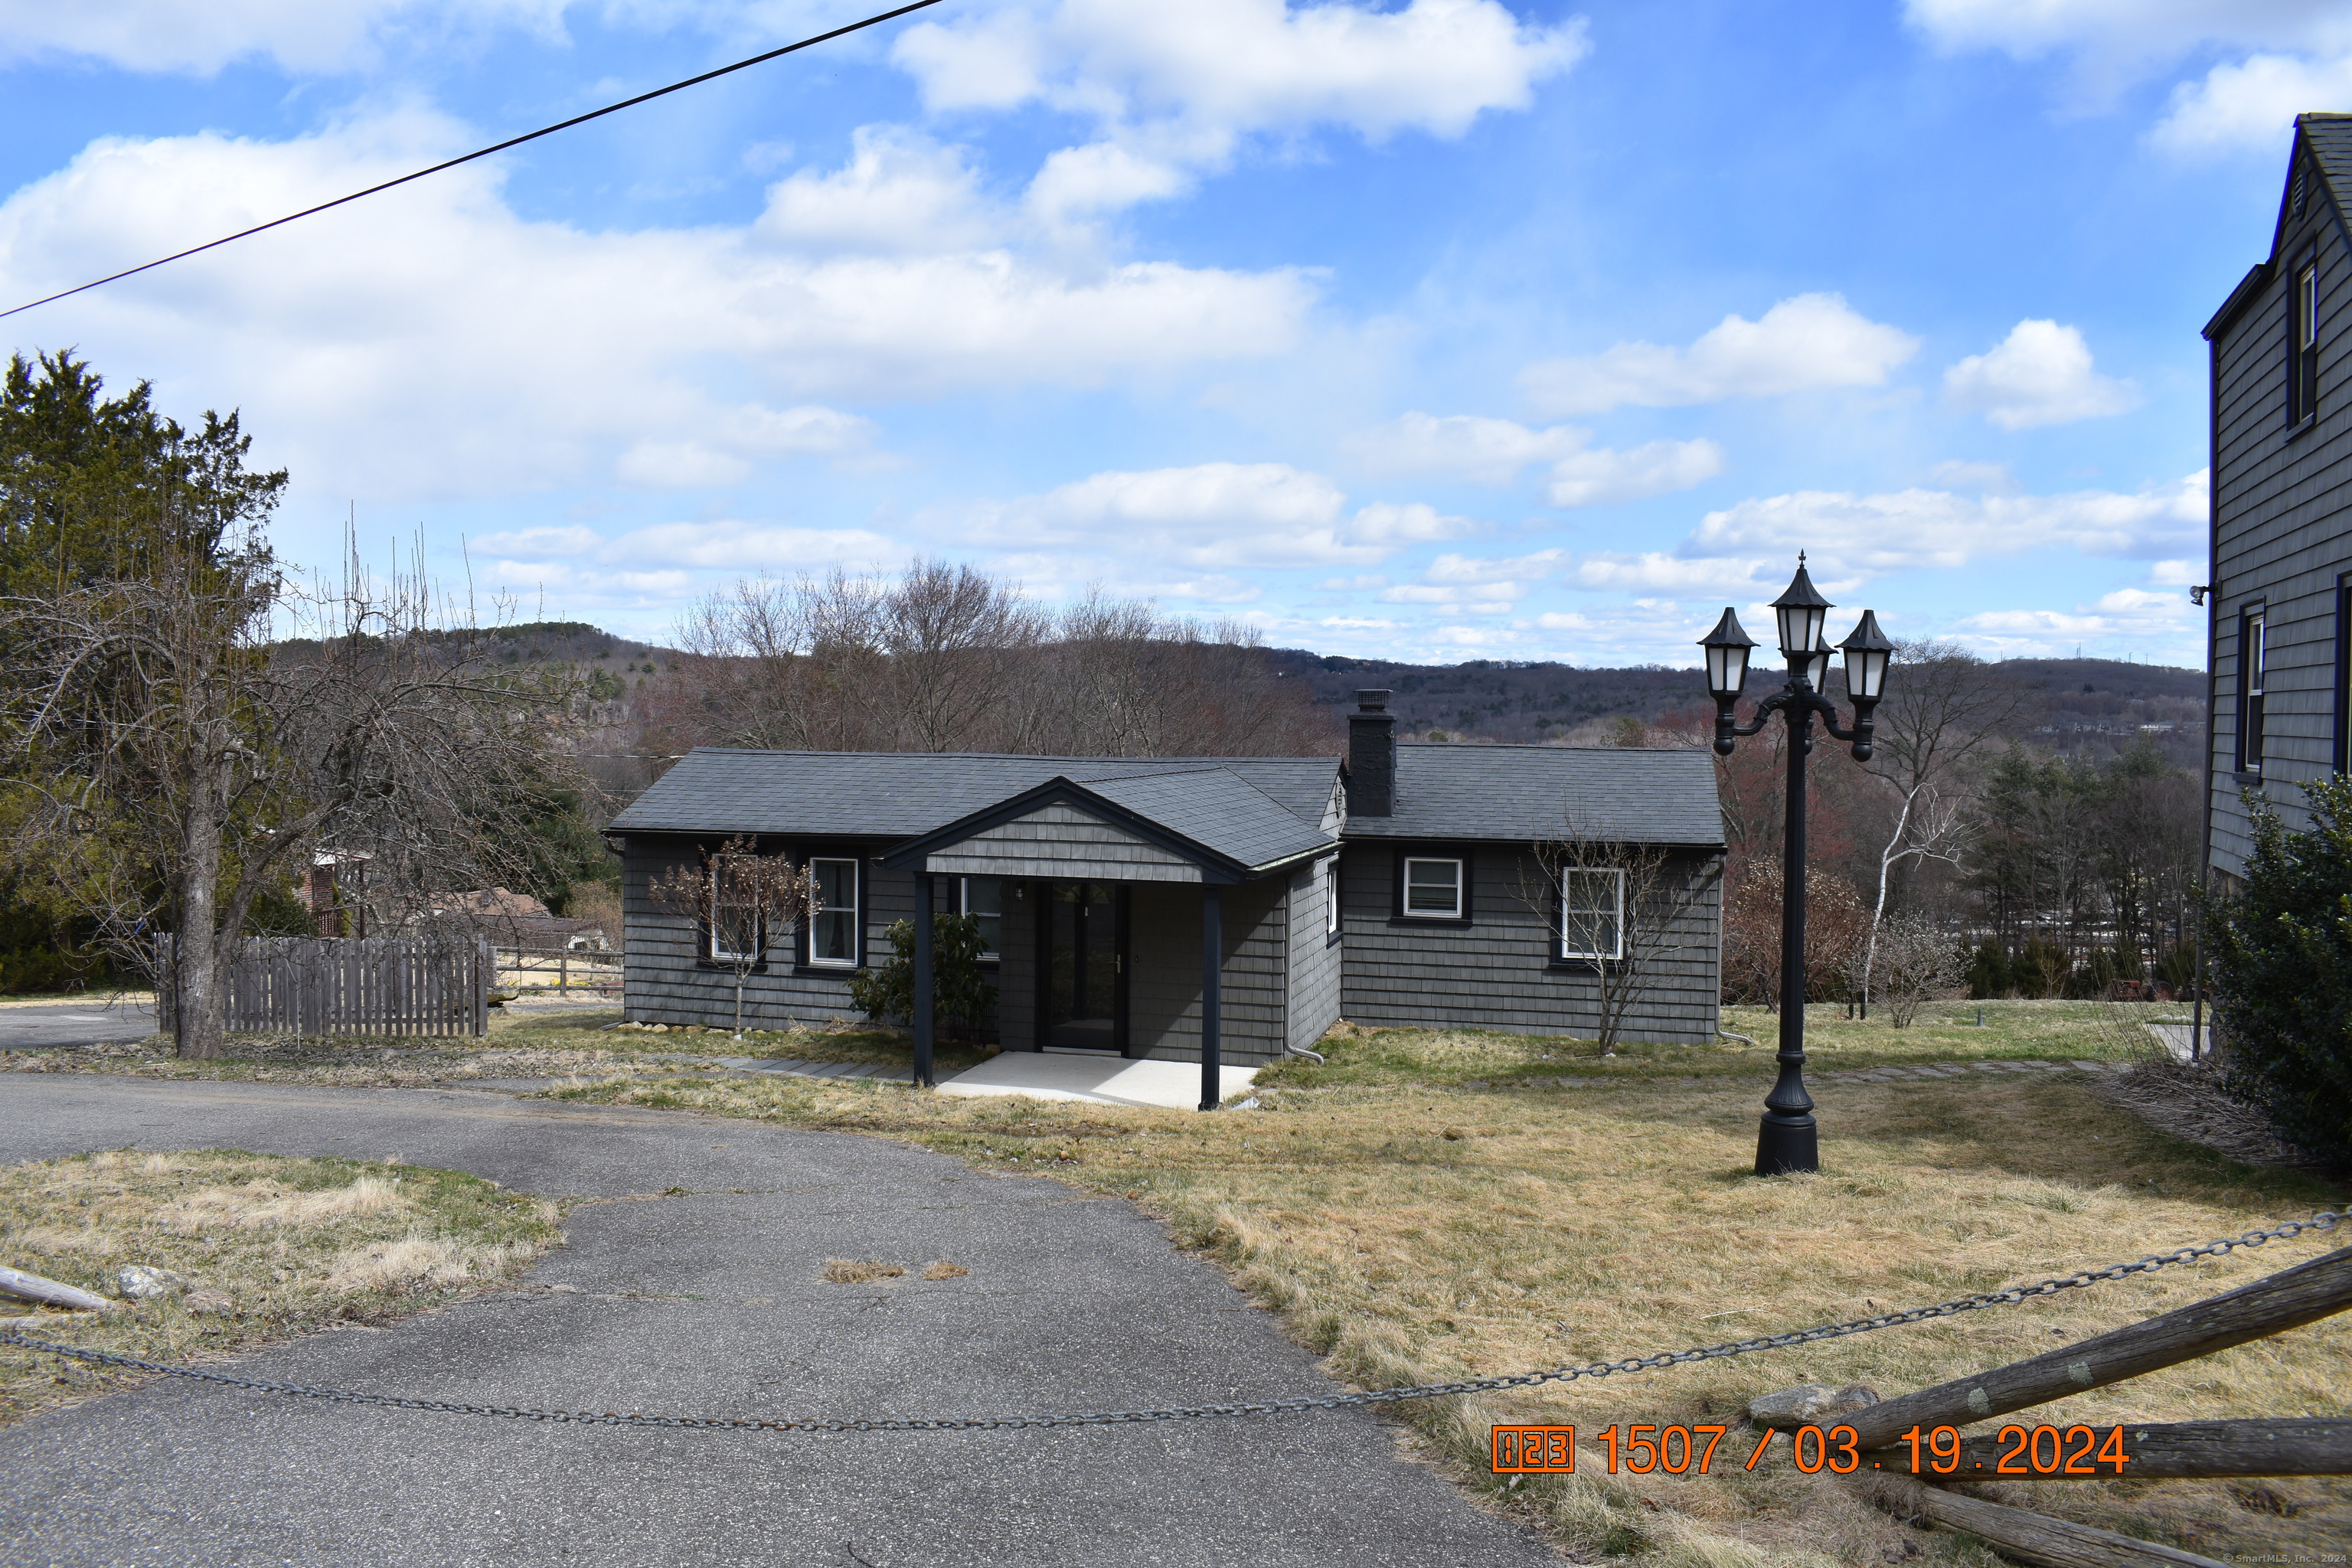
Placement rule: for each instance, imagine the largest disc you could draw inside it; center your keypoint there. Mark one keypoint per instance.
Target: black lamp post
(1787, 1140)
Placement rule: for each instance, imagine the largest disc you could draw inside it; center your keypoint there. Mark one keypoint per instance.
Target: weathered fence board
(2179, 1450)
(2026, 1537)
(2271, 1305)
(351, 985)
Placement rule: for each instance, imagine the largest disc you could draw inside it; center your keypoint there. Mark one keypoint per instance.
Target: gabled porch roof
(1199, 823)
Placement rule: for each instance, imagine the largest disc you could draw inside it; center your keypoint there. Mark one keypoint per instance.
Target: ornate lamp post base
(1787, 1144)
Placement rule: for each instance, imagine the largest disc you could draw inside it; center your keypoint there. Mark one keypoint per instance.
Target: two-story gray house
(1130, 905)
(2280, 568)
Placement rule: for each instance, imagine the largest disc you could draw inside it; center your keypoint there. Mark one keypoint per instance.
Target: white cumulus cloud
(1458, 445)
(2251, 104)
(305, 35)
(2040, 374)
(1604, 478)
(1213, 515)
(512, 353)
(1173, 89)
(1808, 342)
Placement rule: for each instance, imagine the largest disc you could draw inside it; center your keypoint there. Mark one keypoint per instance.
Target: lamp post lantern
(1787, 1140)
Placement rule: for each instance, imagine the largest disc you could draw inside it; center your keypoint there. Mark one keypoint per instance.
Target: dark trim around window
(2253, 685)
(2340, 735)
(1462, 852)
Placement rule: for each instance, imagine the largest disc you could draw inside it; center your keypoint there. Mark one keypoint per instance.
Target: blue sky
(1437, 330)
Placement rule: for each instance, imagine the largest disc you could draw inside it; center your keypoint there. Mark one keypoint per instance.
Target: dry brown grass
(293, 1244)
(945, 1271)
(1616, 1216)
(861, 1271)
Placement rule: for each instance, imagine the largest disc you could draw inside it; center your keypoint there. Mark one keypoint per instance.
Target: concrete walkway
(1106, 1080)
(712, 1303)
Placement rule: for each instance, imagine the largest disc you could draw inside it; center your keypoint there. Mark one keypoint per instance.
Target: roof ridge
(1146, 763)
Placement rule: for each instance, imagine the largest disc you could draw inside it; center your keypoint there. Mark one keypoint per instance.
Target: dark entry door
(1085, 972)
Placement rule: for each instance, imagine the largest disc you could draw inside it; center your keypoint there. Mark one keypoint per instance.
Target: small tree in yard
(1916, 962)
(960, 990)
(741, 902)
(1625, 910)
(2282, 963)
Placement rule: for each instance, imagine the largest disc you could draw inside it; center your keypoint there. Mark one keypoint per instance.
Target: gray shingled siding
(1496, 973)
(1164, 979)
(1016, 977)
(2284, 532)
(1315, 961)
(1063, 842)
(665, 984)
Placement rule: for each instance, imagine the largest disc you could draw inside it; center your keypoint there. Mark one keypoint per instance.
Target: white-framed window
(833, 935)
(1592, 913)
(1329, 870)
(735, 924)
(2306, 343)
(1433, 889)
(984, 898)
(2254, 650)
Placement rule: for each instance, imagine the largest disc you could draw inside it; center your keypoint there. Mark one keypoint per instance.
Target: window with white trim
(983, 898)
(1330, 873)
(2255, 652)
(735, 923)
(1433, 889)
(2305, 369)
(1592, 913)
(833, 935)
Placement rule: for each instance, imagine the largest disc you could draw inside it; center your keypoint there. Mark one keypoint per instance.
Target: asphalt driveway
(711, 1303)
(97, 1021)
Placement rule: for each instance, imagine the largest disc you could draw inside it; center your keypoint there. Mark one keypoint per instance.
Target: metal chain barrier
(2323, 1220)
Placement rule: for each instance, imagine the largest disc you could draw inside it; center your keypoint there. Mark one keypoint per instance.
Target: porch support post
(925, 895)
(1213, 954)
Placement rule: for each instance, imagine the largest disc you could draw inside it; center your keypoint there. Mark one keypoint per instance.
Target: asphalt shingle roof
(1253, 809)
(1523, 793)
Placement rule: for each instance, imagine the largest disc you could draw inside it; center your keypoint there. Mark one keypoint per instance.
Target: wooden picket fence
(351, 985)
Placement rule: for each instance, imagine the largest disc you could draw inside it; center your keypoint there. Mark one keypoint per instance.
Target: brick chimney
(1371, 756)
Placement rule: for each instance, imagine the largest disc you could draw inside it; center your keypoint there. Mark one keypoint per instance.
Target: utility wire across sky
(875, 21)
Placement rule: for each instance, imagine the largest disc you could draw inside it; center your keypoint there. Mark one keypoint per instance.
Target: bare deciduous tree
(741, 902)
(1622, 908)
(941, 658)
(1943, 704)
(175, 766)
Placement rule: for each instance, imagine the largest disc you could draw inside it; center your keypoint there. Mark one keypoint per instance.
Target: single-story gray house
(1204, 907)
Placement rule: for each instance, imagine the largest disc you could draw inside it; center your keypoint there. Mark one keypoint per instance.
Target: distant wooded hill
(2093, 704)
(2085, 704)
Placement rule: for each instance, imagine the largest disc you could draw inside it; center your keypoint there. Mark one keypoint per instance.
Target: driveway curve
(711, 1303)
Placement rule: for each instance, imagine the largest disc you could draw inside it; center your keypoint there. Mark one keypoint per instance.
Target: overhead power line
(482, 153)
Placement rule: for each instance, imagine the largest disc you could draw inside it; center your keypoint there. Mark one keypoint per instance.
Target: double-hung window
(1329, 870)
(2253, 673)
(1433, 889)
(2303, 372)
(735, 923)
(983, 898)
(832, 934)
(1592, 913)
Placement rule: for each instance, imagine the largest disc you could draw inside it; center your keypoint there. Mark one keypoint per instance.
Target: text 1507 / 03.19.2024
(1679, 1449)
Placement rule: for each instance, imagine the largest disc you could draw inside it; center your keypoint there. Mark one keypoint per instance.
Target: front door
(1085, 973)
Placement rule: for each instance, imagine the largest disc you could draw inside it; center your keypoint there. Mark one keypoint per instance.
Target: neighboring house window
(2343, 736)
(1331, 869)
(833, 935)
(2253, 661)
(1593, 914)
(735, 930)
(2304, 373)
(1433, 890)
(984, 898)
